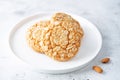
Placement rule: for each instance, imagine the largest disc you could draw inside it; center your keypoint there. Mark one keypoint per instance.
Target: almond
(98, 69)
(105, 60)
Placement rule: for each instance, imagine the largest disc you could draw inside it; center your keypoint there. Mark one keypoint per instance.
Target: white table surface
(105, 14)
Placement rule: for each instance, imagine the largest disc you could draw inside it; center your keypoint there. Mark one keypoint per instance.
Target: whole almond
(105, 60)
(98, 69)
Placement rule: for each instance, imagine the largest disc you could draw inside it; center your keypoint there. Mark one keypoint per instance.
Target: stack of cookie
(58, 38)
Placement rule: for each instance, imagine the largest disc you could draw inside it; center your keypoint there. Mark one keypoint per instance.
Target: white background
(105, 14)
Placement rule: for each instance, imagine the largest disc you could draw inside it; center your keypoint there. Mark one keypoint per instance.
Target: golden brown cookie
(58, 38)
(35, 34)
(62, 41)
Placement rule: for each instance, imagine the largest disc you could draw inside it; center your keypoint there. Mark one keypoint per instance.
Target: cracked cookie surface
(35, 34)
(59, 38)
(63, 37)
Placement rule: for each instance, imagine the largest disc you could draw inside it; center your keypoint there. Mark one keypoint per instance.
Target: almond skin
(105, 60)
(98, 69)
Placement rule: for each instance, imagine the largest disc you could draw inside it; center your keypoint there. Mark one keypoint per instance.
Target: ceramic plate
(90, 46)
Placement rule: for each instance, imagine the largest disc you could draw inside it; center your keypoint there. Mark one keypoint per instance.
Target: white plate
(90, 46)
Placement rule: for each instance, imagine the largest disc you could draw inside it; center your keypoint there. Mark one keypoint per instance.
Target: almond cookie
(35, 34)
(62, 41)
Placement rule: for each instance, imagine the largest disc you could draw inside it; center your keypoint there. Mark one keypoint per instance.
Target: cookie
(58, 38)
(35, 34)
(62, 41)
